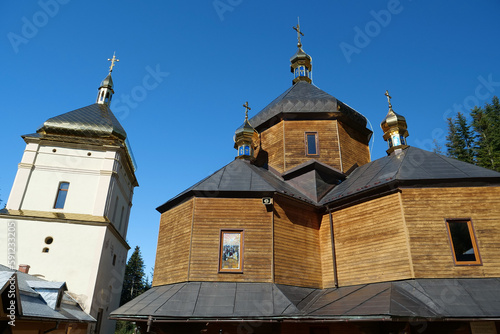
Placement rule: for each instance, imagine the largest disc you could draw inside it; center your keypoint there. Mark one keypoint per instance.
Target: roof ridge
(280, 178)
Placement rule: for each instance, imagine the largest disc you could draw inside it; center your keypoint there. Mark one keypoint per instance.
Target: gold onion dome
(395, 128)
(245, 138)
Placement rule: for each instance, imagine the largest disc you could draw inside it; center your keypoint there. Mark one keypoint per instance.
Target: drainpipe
(52, 329)
(334, 257)
(150, 322)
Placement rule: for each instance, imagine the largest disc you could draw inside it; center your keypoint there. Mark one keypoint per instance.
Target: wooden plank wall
(295, 143)
(174, 240)
(297, 259)
(272, 143)
(348, 327)
(213, 214)
(325, 242)
(425, 213)
(354, 147)
(370, 242)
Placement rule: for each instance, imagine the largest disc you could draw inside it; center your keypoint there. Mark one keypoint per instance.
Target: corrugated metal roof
(305, 98)
(95, 120)
(419, 298)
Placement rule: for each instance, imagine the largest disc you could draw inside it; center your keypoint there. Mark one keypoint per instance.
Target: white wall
(98, 182)
(80, 255)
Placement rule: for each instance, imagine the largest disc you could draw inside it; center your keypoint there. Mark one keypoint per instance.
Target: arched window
(62, 192)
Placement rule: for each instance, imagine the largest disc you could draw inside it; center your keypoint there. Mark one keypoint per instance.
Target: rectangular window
(231, 251)
(62, 192)
(463, 242)
(312, 143)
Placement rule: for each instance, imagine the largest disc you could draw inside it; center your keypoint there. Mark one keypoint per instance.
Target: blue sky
(186, 68)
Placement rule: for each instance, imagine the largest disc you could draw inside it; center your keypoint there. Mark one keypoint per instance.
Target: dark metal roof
(420, 298)
(307, 100)
(411, 166)
(39, 304)
(209, 299)
(238, 178)
(95, 120)
(314, 178)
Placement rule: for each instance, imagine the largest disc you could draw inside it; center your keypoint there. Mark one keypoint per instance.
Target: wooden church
(303, 233)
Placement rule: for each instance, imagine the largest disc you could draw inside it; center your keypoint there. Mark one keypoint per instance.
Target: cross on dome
(388, 99)
(112, 60)
(247, 108)
(299, 33)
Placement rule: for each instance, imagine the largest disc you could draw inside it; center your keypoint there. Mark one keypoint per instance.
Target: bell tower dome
(106, 91)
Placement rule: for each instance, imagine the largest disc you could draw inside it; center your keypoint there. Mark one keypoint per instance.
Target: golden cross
(388, 99)
(297, 29)
(247, 109)
(112, 60)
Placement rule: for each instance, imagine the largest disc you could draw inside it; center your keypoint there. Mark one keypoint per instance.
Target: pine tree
(134, 282)
(437, 147)
(486, 124)
(460, 139)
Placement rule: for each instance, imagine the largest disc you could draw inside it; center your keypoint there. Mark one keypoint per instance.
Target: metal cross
(297, 29)
(247, 109)
(112, 60)
(388, 99)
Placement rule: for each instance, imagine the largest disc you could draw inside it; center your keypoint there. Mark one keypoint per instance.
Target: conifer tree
(479, 141)
(134, 282)
(486, 124)
(460, 139)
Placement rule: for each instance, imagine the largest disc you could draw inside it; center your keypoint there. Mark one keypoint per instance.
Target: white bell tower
(70, 204)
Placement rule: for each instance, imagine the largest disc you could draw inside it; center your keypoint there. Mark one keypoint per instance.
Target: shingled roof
(413, 166)
(305, 100)
(95, 120)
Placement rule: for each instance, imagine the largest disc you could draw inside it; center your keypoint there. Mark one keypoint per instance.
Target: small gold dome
(395, 129)
(246, 138)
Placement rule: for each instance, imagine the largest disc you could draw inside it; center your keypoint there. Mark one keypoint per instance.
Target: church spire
(106, 89)
(395, 129)
(301, 62)
(245, 138)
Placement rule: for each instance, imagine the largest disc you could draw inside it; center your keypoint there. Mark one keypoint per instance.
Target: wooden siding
(213, 214)
(297, 259)
(353, 146)
(174, 238)
(370, 242)
(295, 142)
(272, 144)
(325, 242)
(425, 213)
